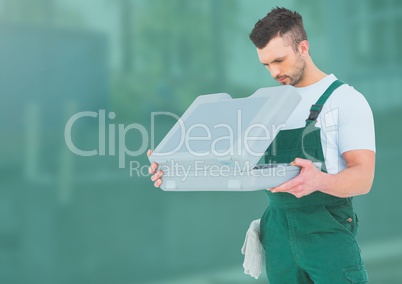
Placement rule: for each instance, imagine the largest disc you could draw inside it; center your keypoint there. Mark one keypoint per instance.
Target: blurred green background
(71, 219)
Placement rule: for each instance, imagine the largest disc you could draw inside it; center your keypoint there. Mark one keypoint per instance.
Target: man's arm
(355, 179)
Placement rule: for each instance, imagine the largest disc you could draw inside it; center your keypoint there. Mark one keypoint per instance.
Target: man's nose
(274, 71)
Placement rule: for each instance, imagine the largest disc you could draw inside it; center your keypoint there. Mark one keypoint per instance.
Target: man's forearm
(356, 180)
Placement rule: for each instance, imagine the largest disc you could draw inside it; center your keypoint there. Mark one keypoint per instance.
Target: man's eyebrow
(274, 61)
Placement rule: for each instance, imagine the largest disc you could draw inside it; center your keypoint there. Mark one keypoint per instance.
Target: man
(309, 229)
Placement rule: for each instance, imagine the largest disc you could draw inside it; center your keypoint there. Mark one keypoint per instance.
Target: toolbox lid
(219, 130)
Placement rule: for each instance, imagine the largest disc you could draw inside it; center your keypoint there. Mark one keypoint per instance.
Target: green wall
(66, 218)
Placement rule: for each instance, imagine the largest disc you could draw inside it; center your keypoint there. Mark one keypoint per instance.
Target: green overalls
(310, 239)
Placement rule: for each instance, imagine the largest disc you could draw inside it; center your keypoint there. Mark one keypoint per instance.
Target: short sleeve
(356, 122)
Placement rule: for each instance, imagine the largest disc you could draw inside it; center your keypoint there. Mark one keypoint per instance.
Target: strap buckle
(314, 112)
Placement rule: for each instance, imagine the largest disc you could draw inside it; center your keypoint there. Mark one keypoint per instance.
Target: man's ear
(304, 47)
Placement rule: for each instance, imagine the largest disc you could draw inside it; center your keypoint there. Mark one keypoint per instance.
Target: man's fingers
(153, 168)
(158, 182)
(301, 162)
(292, 190)
(157, 175)
(287, 185)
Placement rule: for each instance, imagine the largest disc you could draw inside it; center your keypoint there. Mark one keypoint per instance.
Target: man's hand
(157, 175)
(305, 183)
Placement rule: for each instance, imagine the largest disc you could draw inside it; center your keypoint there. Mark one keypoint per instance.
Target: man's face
(285, 64)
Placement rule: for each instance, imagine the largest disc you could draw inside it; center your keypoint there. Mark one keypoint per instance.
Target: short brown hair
(279, 22)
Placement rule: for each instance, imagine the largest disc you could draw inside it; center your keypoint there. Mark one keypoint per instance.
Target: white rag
(253, 250)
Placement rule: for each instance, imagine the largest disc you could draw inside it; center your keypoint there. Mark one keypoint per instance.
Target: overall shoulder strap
(317, 107)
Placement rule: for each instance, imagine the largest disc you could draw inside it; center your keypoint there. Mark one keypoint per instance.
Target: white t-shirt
(346, 121)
